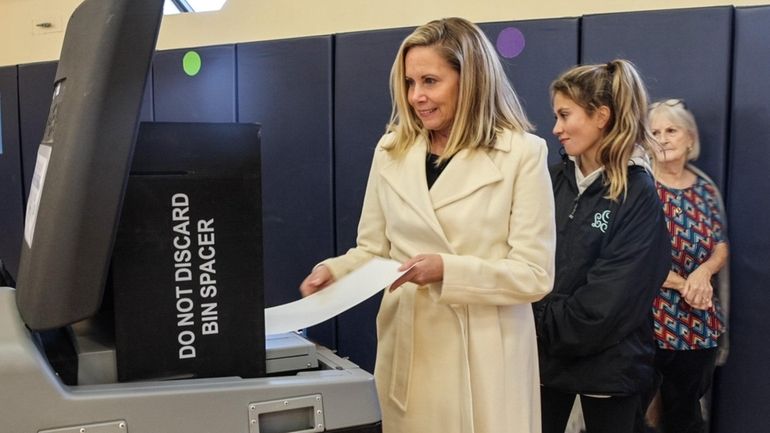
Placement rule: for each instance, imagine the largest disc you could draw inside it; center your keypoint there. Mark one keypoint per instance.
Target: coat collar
(467, 172)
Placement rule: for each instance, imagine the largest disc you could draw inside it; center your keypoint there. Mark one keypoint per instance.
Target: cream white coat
(460, 356)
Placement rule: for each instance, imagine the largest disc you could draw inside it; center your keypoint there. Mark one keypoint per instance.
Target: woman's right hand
(697, 290)
(694, 292)
(317, 280)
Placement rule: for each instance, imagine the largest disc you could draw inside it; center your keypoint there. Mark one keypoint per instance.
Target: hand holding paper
(421, 269)
(317, 280)
(339, 296)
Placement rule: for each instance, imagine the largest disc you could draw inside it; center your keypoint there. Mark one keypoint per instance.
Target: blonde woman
(459, 193)
(594, 329)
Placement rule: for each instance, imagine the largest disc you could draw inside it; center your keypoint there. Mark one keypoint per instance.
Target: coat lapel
(407, 178)
(468, 172)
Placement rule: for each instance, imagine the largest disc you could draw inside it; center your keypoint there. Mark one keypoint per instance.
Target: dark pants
(684, 376)
(602, 415)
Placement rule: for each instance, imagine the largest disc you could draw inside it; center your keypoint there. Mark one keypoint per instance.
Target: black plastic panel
(196, 148)
(743, 385)
(80, 172)
(35, 87)
(207, 96)
(11, 203)
(35, 91)
(147, 113)
(682, 53)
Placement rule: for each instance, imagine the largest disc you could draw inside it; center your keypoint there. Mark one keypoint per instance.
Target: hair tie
(610, 67)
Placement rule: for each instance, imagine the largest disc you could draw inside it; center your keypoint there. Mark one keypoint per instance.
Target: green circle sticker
(191, 63)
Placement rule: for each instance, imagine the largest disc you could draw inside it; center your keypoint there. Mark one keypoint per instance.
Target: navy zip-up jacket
(595, 329)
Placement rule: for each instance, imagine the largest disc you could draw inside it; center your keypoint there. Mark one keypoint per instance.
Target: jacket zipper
(574, 206)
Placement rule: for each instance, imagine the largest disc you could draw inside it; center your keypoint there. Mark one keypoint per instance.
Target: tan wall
(252, 20)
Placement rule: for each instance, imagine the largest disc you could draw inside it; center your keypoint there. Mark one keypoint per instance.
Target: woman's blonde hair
(617, 86)
(486, 102)
(676, 112)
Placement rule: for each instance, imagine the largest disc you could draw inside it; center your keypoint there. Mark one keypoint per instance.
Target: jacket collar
(638, 158)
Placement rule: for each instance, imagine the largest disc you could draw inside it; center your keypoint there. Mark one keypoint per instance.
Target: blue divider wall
(688, 54)
(362, 107)
(203, 91)
(682, 53)
(533, 53)
(11, 203)
(742, 388)
(287, 87)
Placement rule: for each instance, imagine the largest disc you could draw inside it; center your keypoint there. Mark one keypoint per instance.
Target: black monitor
(84, 159)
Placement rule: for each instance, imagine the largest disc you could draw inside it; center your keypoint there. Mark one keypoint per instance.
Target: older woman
(688, 317)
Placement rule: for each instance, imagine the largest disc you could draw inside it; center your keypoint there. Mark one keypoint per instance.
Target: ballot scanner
(72, 220)
(308, 389)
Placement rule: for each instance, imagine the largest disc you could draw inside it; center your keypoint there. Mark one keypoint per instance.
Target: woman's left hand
(422, 269)
(697, 289)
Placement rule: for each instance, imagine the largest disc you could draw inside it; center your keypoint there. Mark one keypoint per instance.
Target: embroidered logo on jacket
(600, 220)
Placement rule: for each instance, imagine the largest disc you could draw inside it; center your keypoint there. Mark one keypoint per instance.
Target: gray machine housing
(337, 395)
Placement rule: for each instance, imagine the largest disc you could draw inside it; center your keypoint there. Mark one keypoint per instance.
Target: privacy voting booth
(92, 226)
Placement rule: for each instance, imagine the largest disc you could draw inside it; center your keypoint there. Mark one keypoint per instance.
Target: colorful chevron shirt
(695, 225)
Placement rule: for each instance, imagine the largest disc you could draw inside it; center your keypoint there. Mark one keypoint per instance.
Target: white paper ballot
(348, 292)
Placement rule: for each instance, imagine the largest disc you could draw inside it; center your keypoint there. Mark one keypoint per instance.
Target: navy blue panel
(11, 210)
(682, 53)
(286, 86)
(362, 63)
(533, 54)
(361, 111)
(35, 92)
(743, 387)
(208, 96)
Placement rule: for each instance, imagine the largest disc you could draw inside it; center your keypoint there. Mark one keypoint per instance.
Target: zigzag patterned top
(695, 225)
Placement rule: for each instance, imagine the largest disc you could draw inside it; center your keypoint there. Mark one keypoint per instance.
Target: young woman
(458, 191)
(595, 332)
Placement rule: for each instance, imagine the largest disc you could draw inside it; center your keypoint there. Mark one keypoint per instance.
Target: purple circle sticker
(510, 42)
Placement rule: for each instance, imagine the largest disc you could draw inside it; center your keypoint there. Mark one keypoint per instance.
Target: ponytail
(618, 86)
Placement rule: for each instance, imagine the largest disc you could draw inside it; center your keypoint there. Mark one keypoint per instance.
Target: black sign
(187, 278)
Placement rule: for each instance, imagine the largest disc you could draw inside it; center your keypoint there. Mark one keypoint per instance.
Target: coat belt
(403, 350)
(403, 357)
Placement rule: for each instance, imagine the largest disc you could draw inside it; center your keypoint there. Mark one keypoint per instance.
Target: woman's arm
(697, 290)
(674, 281)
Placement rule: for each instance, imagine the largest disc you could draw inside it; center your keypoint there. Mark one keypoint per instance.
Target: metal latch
(289, 415)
